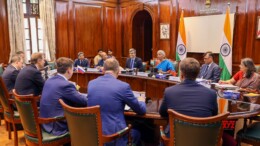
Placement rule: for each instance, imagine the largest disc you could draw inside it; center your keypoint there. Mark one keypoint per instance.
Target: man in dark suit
(210, 70)
(11, 72)
(133, 61)
(112, 95)
(104, 57)
(30, 80)
(55, 88)
(81, 61)
(189, 97)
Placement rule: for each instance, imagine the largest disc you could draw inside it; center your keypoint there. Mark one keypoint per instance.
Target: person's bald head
(111, 65)
(190, 68)
(17, 61)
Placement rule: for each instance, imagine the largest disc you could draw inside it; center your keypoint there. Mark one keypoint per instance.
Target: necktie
(79, 62)
(132, 63)
(205, 72)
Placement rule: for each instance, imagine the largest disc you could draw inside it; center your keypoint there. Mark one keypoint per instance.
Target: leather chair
(52, 65)
(193, 131)
(86, 128)
(33, 133)
(249, 133)
(11, 116)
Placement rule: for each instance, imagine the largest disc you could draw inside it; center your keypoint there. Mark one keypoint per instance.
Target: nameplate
(143, 74)
(92, 69)
(176, 79)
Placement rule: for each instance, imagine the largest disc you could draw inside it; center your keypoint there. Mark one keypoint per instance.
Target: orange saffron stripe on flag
(182, 28)
(227, 29)
(221, 105)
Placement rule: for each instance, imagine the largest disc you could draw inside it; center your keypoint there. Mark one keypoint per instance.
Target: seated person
(165, 65)
(29, 79)
(81, 61)
(133, 61)
(112, 95)
(11, 72)
(104, 57)
(55, 88)
(110, 54)
(22, 56)
(210, 70)
(247, 77)
(97, 58)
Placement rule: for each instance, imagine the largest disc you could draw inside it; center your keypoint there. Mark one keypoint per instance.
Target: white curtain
(48, 22)
(16, 26)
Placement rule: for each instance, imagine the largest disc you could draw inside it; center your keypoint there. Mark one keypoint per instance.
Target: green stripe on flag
(177, 56)
(225, 75)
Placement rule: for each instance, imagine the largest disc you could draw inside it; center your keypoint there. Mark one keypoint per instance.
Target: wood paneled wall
(4, 36)
(87, 25)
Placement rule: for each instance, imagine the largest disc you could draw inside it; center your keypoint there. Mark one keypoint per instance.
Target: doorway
(142, 31)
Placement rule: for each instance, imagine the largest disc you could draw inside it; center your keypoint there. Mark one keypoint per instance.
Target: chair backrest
(28, 111)
(52, 65)
(257, 66)
(1, 69)
(84, 125)
(186, 130)
(4, 96)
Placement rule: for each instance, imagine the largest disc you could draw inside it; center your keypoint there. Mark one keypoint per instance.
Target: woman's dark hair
(249, 64)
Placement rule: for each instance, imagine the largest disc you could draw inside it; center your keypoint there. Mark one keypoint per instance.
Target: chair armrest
(108, 138)
(50, 120)
(165, 139)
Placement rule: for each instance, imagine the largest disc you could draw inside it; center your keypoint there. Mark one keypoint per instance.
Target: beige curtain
(48, 22)
(16, 26)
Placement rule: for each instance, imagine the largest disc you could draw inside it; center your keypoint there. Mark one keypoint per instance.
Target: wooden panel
(62, 40)
(4, 34)
(110, 30)
(88, 28)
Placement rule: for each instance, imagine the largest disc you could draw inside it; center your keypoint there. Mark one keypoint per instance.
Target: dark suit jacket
(137, 63)
(29, 81)
(190, 98)
(10, 74)
(212, 74)
(83, 63)
(54, 89)
(112, 95)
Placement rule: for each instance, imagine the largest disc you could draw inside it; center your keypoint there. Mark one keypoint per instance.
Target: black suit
(82, 63)
(9, 77)
(137, 63)
(29, 81)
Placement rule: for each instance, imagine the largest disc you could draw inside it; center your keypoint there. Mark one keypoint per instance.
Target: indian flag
(181, 51)
(225, 56)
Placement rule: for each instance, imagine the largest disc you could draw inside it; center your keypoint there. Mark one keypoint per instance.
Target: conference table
(154, 89)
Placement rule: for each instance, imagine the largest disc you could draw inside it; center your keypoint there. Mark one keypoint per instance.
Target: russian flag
(80, 70)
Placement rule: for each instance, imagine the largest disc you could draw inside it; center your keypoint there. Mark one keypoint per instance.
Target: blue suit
(190, 98)
(10, 74)
(136, 64)
(82, 63)
(54, 89)
(29, 81)
(212, 73)
(112, 95)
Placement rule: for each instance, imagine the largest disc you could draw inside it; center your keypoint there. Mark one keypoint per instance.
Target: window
(32, 27)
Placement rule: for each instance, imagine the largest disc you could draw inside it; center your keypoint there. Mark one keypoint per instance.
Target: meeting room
(129, 72)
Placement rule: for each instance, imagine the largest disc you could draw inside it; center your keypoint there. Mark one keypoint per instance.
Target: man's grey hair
(132, 50)
(111, 64)
(15, 58)
(161, 52)
(80, 53)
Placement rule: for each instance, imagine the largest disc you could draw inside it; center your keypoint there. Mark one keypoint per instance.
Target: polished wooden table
(154, 89)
